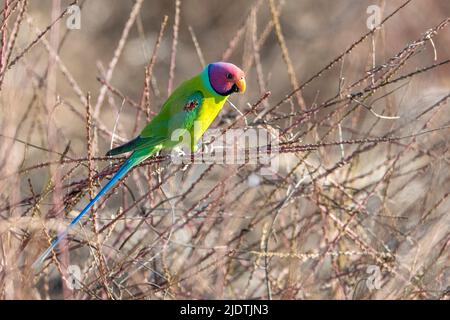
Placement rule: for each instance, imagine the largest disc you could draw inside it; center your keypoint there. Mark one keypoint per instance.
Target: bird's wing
(179, 112)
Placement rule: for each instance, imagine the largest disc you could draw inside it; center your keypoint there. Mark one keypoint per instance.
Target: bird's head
(225, 78)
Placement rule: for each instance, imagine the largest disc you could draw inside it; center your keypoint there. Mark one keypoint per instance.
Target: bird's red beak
(241, 85)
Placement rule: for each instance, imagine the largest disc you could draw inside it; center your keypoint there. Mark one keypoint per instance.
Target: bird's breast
(207, 113)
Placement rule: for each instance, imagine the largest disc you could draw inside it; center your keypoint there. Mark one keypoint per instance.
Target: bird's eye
(229, 76)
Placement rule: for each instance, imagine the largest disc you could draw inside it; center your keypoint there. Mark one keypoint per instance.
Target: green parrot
(196, 101)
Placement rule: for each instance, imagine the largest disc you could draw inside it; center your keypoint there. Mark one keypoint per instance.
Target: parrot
(191, 107)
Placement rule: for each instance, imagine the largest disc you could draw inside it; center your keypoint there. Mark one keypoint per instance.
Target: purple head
(225, 78)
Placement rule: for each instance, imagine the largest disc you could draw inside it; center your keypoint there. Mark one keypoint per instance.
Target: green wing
(178, 112)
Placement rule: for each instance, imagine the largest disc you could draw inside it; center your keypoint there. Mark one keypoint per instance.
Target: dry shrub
(358, 208)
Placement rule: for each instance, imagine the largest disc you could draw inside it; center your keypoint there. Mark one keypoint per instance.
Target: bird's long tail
(129, 163)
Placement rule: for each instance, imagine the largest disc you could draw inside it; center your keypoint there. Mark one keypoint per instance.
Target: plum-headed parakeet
(197, 100)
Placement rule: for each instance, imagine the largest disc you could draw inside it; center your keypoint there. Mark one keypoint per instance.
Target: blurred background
(357, 221)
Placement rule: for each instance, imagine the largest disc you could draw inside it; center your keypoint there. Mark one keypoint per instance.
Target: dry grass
(364, 151)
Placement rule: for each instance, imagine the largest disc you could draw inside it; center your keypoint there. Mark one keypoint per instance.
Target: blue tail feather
(117, 176)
